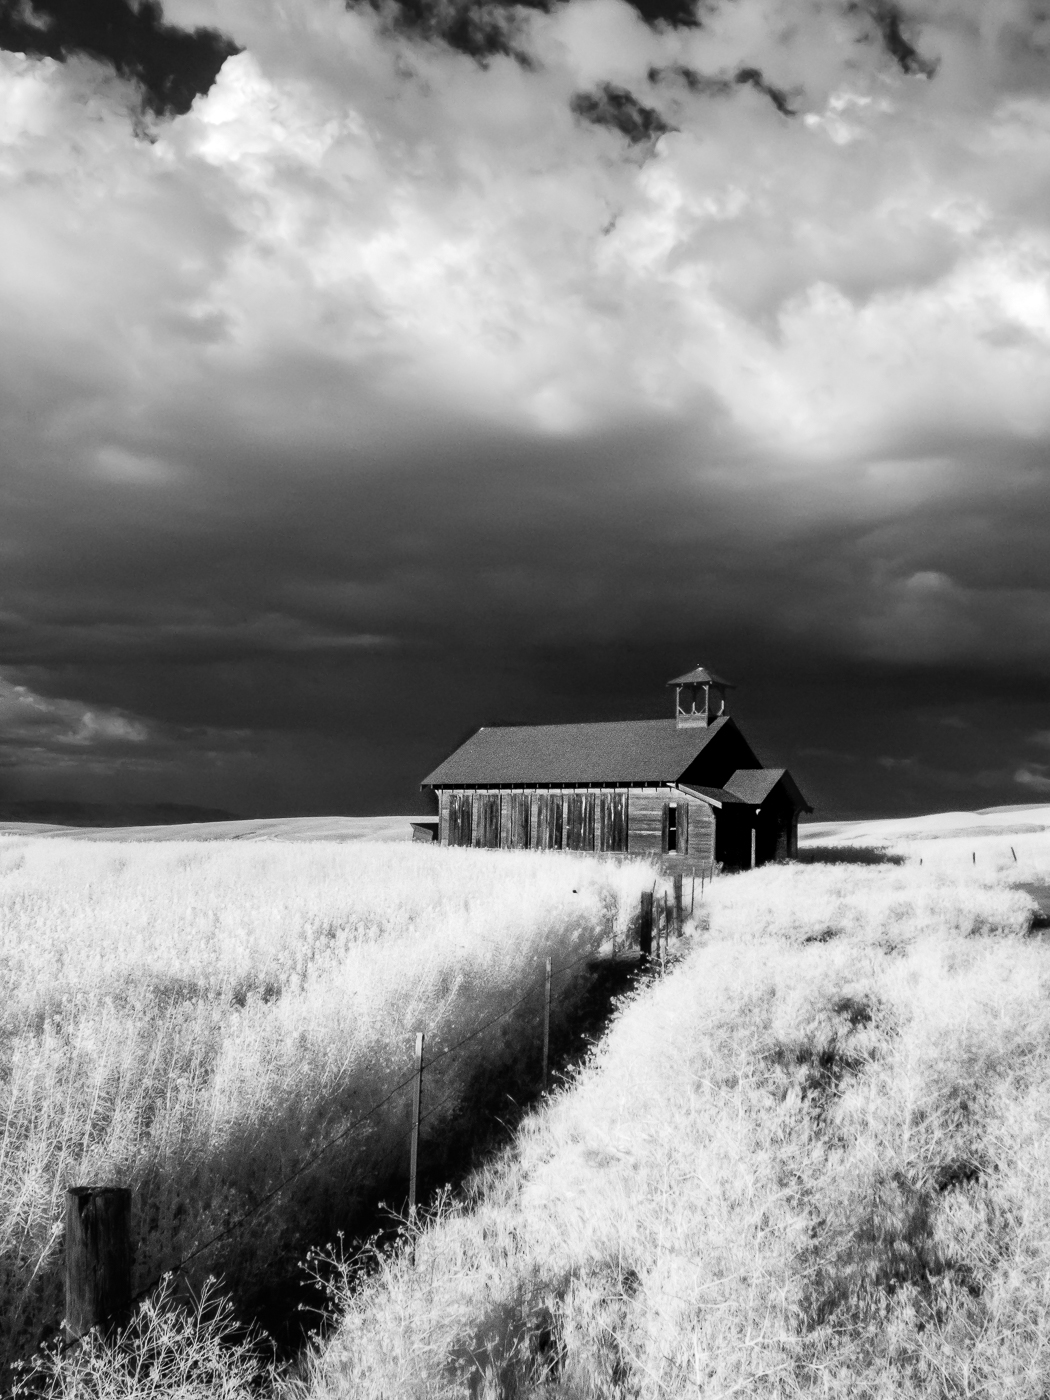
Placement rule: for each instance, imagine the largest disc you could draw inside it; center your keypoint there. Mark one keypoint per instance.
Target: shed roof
(755, 784)
(717, 797)
(620, 751)
(700, 675)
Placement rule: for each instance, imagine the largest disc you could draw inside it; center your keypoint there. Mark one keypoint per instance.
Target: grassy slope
(810, 1161)
(193, 1019)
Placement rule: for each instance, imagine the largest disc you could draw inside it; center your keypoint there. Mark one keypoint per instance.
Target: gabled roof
(623, 751)
(700, 675)
(754, 785)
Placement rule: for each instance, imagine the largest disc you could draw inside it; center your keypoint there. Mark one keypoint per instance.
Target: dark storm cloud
(171, 65)
(609, 105)
(709, 86)
(398, 604)
(891, 23)
(380, 396)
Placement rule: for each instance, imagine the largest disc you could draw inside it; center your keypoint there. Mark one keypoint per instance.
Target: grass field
(194, 1019)
(1011, 842)
(810, 1160)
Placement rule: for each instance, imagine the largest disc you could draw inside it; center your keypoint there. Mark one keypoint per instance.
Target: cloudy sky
(369, 373)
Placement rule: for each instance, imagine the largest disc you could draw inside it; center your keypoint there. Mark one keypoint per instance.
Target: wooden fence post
(679, 910)
(754, 842)
(645, 926)
(417, 1096)
(98, 1257)
(546, 1021)
(692, 893)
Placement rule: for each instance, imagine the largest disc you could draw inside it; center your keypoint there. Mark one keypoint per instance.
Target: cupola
(699, 698)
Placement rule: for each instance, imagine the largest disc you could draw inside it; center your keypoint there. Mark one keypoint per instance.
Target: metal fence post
(98, 1257)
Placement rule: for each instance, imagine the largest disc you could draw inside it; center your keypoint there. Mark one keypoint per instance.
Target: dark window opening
(672, 827)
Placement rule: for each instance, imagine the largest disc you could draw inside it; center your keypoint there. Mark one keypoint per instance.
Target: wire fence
(315, 1157)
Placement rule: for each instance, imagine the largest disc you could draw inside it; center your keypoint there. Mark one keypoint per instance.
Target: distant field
(251, 829)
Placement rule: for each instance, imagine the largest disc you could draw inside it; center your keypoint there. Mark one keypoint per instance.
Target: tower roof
(700, 675)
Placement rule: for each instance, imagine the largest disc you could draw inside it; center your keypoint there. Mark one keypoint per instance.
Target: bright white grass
(192, 1019)
(791, 1168)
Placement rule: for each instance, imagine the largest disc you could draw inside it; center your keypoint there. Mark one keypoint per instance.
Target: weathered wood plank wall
(603, 820)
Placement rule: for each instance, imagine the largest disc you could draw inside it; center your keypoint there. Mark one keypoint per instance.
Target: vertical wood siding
(542, 802)
(486, 818)
(579, 821)
(459, 819)
(609, 820)
(613, 822)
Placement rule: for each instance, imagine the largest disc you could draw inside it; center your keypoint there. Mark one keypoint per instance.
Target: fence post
(98, 1257)
(679, 911)
(645, 926)
(692, 893)
(546, 1021)
(754, 835)
(417, 1095)
(1013, 852)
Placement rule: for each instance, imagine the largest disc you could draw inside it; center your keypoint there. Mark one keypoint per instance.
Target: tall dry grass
(812, 1160)
(195, 1020)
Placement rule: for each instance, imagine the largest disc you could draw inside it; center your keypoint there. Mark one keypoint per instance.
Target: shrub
(848, 855)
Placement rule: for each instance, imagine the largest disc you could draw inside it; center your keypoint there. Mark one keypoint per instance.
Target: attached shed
(688, 789)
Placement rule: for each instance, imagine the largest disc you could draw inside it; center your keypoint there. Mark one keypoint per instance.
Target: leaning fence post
(98, 1257)
(645, 926)
(679, 902)
(417, 1095)
(546, 1021)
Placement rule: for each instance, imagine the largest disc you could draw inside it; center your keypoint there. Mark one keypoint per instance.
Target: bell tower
(699, 698)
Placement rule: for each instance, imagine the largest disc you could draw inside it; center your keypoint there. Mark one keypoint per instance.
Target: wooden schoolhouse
(688, 789)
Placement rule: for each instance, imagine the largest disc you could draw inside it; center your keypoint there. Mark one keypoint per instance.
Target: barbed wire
(310, 1162)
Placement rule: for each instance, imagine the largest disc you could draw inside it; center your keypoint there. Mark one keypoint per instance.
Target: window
(672, 826)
